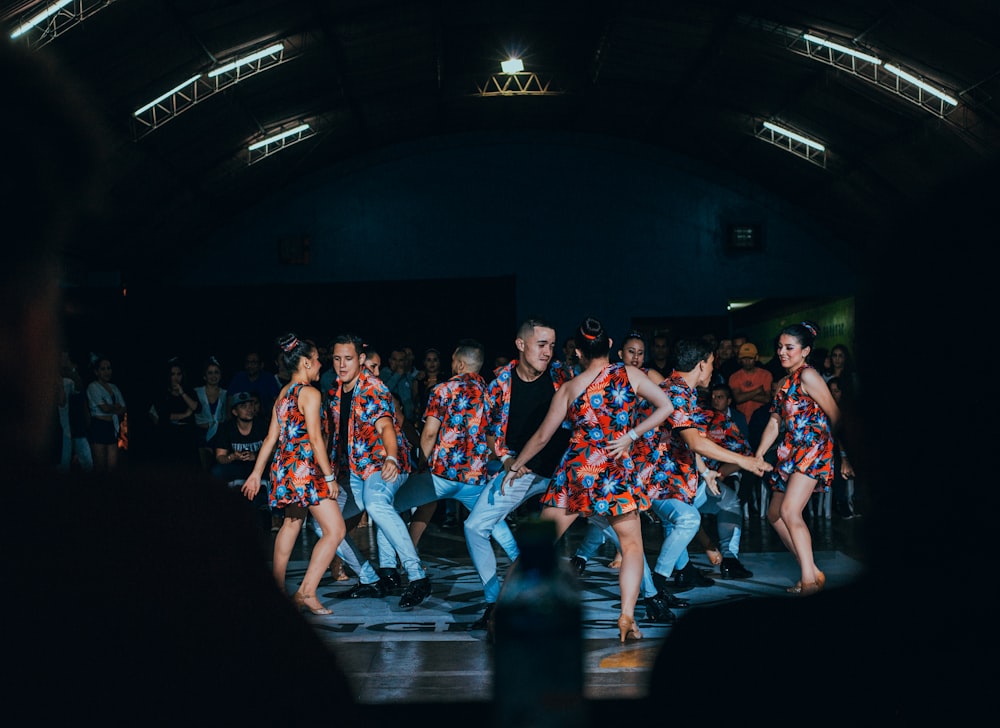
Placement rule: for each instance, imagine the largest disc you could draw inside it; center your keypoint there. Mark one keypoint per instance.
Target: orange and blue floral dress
(588, 479)
(807, 445)
(295, 479)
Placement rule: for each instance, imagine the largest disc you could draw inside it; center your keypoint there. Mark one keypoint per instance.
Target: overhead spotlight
(512, 66)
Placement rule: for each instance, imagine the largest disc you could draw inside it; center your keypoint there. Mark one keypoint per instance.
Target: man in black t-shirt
(520, 394)
(236, 444)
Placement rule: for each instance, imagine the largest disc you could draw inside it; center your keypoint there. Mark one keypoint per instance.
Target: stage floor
(430, 653)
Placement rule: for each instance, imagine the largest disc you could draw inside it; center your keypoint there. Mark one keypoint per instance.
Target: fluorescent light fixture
(44, 15)
(167, 95)
(842, 49)
(278, 137)
(269, 51)
(920, 84)
(513, 65)
(792, 135)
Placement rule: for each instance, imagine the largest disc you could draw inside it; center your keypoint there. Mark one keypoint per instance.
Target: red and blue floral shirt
(370, 402)
(462, 405)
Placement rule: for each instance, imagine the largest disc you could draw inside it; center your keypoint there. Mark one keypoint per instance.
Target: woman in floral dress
(302, 478)
(806, 412)
(598, 474)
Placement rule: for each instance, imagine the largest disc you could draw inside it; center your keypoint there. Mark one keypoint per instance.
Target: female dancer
(806, 411)
(301, 474)
(598, 473)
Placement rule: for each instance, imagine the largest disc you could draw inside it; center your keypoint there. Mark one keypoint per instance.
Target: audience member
(172, 414)
(213, 408)
(74, 418)
(662, 360)
(842, 367)
(256, 380)
(728, 361)
(751, 385)
(842, 490)
(399, 380)
(107, 410)
(235, 446)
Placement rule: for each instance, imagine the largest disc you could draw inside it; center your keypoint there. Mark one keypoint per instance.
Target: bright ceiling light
(269, 51)
(167, 95)
(792, 135)
(44, 15)
(920, 84)
(511, 66)
(842, 49)
(278, 137)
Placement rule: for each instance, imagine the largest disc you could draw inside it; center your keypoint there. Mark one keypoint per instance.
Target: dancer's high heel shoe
(337, 570)
(299, 600)
(820, 583)
(627, 628)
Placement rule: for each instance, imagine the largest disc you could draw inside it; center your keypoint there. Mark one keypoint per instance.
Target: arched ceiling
(695, 78)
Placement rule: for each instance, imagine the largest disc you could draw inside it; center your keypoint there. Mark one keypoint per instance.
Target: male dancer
(364, 428)
(520, 396)
(679, 465)
(453, 442)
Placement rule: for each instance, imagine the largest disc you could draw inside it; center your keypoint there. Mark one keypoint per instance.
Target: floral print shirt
(370, 402)
(462, 405)
(675, 473)
(722, 430)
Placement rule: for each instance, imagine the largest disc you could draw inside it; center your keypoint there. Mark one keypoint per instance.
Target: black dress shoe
(689, 577)
(731, 568)
(673, 602)
(363, 591)
(668, 586)
(579, 565)
(485, 621)
(415, 592)
(389, 578)
(657, 611)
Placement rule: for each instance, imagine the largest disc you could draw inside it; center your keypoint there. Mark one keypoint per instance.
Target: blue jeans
(680, 524)
(393, 536)
(605, 531)
(421, 488)
(729, 518)
(489, 510)
(348, 550)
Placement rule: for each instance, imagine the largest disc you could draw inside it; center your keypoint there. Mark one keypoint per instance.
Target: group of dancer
(604, 440)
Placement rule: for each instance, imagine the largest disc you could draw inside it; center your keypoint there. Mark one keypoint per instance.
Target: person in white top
(107, 408)
(212, 411)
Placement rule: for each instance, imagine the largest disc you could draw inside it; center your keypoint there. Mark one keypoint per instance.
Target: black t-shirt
(529, 403)
(229, 437)
(346, 402)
